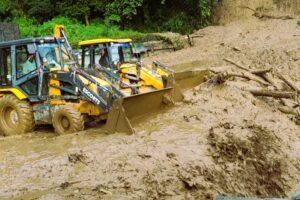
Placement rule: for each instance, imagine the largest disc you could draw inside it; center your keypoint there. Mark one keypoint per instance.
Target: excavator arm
(117, 121)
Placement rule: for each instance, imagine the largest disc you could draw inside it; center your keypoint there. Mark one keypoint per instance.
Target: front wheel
(66, 119)
(16, 116)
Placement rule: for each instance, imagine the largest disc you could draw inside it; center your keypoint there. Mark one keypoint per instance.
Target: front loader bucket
(117, 121)
(135, 106)
(132, 107)
(141, 104)
(190, 79)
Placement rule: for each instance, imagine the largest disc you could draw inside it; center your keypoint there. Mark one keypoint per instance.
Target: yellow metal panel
(91, 86)
(104, 40)
(66, 69)
(151, 79)
(86, 107)
(147, 75)
(128, 69)
(57, 30)
(55, 92)
(101, 81)
(162, 72)
(15, 91)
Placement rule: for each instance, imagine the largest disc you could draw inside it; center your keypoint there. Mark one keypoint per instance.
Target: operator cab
(108, 53)
(22, 61)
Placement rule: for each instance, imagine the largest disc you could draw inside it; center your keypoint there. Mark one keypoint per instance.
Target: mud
(219, 140)
(231, 10)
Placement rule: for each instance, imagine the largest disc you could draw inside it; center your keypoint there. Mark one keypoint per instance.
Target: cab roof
(30, 40)
(103, 41)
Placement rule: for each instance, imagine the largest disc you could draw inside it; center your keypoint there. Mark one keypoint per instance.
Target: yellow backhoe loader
(41, 83)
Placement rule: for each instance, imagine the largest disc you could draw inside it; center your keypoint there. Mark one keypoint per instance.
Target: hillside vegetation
(86, 19)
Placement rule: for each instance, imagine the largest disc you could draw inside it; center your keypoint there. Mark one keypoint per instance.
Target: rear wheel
(66, 119)
(16, 116)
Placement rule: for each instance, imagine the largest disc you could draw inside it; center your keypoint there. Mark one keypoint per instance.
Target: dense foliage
(87, 19)
(75, 30)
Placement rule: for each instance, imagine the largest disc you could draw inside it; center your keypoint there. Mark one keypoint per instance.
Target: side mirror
(31, 48)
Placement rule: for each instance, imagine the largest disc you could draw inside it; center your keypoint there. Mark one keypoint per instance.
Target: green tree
(28, 26)
(9, 9)
(78, 9)
(205, 10)
(40, 10)
(144, 15)
(4, 6)
(121, 11)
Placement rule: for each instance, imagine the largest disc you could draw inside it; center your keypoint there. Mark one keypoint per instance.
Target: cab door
(5, 67)
(26, 73)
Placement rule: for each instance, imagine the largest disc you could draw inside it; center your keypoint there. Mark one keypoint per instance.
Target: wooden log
(287, 110)
(274, 94)
(269, 78)
(190, 40)
(252, 76)
(236, 64)
(240, 76)
(289, 83)
(255, 72)
(261, 71)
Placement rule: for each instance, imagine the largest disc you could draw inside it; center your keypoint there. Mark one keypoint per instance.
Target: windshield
(121, 52)
(50, 55)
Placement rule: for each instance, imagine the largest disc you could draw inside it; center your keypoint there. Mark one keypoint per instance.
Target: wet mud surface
(219, 140)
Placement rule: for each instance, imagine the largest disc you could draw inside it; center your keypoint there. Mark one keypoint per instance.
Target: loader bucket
(135, 106)
(117, 121)
(130, 108)
(141, 104)
(190, 79)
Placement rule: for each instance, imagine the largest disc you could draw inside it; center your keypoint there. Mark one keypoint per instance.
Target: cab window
(25, 62)
(85, 61)
(5, 67)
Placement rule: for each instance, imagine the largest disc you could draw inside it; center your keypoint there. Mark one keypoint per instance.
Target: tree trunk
(274, 94)
(289, 83)
(87, 21)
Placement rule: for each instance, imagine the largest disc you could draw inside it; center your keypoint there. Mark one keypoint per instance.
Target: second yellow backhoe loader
(143, 88)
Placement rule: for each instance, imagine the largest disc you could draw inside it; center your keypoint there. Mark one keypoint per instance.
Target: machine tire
(67, 119)
(16, 116)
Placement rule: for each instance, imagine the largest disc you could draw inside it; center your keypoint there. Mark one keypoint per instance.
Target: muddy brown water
(189, 151)
(41, 145)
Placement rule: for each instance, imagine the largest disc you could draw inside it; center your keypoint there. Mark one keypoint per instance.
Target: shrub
(27, 26)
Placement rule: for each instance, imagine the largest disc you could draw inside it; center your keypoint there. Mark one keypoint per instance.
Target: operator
(103, 61)
(50, 59)
(29, 65)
